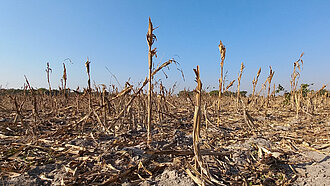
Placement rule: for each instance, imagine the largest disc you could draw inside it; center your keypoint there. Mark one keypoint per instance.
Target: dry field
(147, 136)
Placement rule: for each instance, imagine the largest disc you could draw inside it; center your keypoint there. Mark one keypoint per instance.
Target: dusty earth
(316, 169)
(312, 167)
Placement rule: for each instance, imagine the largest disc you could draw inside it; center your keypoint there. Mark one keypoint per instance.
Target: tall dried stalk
(197, 118)
(238, 85)
(255, 81)
(204, 175)
(150, 39)
(269, 79)
(64, 78)
(47, 71)
(295, 77)
(89, 84)
(222, 50)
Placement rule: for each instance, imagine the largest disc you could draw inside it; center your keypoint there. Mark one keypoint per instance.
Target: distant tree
(243, 93)
(279, 89)
(305, 89)
(324, 91)
(13, 91)
(185, 93)
(229, 93)
(287, 98)
(43, 91)
(214, 93)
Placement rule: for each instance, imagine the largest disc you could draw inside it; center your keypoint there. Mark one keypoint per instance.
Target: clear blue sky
(113, 34)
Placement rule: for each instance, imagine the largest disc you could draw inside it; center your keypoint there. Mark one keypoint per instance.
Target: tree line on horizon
(279, 91)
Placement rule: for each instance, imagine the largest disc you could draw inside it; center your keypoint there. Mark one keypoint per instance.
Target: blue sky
(113, 35)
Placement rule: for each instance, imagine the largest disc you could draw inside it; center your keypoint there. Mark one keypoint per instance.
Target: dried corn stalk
(269, 79)
(204, 175)
(89, 84)
(151, 39)
(197, 119)
(222, 50)
(64, 79)
(238, 85)
(47, 71)
(255, 81)
(295, 77)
